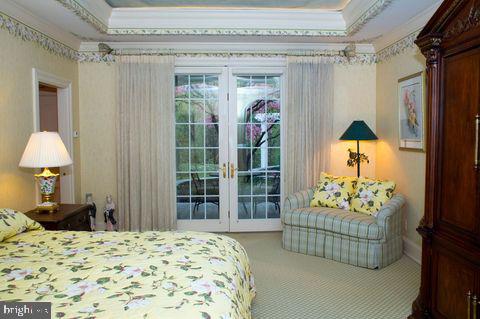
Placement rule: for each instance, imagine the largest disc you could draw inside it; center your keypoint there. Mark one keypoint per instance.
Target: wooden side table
(68, 217)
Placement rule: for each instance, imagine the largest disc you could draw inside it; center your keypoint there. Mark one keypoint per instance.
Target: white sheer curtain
(308, 121)
(145, 147)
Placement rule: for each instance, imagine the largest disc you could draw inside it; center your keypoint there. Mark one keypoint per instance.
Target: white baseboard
(412, 250)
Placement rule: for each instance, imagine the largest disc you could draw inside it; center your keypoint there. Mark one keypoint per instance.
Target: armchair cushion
(334, 191)
(370, 195)
(334, 220)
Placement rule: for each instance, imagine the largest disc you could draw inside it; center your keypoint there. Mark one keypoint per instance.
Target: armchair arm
(299, 200)
(390, 217)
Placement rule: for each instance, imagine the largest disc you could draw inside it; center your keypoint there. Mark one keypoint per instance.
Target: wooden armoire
(450, 228)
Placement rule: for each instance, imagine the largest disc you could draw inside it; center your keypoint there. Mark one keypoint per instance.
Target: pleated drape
(309, 121)
(145, 143)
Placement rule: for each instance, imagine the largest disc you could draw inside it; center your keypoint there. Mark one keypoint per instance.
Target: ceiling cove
(244, 4)
(305, 18)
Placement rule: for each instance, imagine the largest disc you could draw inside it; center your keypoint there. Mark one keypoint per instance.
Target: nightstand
(68, 217)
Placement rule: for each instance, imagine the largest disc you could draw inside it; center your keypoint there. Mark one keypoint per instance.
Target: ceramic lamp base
(47, 181)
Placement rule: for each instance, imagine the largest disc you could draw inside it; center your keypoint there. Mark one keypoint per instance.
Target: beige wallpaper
(17, 58)
(407, 168)
(97, 132)
(97, 123)
(354, 99)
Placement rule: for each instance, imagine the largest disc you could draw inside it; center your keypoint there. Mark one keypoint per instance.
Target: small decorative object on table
(44, 150)
(92, 213)
(109, 211)
(358, 131)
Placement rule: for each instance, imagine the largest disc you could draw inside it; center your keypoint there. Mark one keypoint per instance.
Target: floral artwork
(128, 275)
(411, 112)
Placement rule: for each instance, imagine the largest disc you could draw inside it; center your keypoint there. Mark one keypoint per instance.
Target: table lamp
(358, 131)
(45, 150)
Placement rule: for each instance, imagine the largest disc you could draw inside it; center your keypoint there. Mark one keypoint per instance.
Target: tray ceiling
(270, 4)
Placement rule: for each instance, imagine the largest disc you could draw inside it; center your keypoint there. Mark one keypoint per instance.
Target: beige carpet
(291, 285)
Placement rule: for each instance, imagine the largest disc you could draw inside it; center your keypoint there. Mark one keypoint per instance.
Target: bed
(125, 274)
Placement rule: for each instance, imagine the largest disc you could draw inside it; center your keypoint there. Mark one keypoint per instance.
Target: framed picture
(411, 112)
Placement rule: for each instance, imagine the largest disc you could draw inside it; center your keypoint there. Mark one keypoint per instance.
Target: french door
(228, 148)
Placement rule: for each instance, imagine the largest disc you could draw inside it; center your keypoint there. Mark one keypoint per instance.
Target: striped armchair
(352, 238)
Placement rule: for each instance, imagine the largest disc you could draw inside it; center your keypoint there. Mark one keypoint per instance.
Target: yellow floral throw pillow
(334, 191)
(370, 195)
(13, 223)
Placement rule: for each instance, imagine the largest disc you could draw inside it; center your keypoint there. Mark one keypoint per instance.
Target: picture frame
(411, 112)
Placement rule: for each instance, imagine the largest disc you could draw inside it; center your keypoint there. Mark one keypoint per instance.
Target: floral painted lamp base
(47, 181)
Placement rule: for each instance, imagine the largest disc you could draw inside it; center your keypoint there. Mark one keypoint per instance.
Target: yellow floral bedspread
(128, 275)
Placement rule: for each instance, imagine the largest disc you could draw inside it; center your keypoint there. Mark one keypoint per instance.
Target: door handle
(224, 170)
(232, 170)
(477, 129)
(469, 303)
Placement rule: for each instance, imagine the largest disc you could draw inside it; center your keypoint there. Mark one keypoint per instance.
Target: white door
(255, 149)
(228, 147)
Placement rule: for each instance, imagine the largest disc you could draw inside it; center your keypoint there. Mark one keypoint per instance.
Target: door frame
(65, 126)
(253, 225)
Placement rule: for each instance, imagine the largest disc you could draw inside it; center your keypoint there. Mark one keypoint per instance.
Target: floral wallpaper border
(26, 33)
(397, 47)
(236, 32)
(334, 57)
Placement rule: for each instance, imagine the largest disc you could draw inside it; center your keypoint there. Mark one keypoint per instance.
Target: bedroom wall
(354, 99)
(406, 168)
(97, 123)
(97, 128)
(17, 188)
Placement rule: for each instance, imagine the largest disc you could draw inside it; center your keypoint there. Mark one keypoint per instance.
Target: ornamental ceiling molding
(81, 12)
(398, 47)
(26, 33)
(228, 32)
(84, 14)
(371, 13)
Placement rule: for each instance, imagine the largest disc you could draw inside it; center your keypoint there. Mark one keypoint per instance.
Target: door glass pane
(258, 146)
(197, 146)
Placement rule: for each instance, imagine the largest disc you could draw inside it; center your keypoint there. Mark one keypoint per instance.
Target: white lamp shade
(45, 149)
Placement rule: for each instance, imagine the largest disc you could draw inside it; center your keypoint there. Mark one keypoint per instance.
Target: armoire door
(454, 285)
(459, 195)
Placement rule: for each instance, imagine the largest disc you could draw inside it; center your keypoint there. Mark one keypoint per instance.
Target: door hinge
(228, 96)
(228, 214)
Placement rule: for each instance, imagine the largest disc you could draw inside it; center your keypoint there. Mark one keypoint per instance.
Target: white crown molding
(331, 52)
(358, 13)
(403, 37)
(99, 20)
(188, 21)
(365, 53)
(412, 25)
(15, 12)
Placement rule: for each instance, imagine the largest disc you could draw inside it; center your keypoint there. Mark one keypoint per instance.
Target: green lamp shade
(358, 131)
